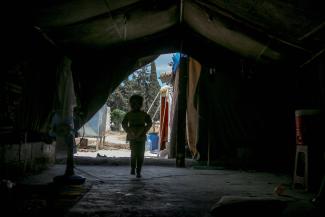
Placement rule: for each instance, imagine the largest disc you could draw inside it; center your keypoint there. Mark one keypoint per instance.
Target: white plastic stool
(301, 152)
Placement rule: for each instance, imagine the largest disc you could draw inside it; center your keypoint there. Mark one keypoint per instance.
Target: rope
(155, 112)
(153, 102)
(114, 23)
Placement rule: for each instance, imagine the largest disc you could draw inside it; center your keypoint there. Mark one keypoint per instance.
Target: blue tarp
(176, 60)
(176, 57)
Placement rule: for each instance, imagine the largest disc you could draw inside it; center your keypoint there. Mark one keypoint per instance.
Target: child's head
(136, 102)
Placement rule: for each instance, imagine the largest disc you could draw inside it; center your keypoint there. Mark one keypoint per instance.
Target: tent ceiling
(269, 29)
(106, 39)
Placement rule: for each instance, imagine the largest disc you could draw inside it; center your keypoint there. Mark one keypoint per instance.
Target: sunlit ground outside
(115, 146)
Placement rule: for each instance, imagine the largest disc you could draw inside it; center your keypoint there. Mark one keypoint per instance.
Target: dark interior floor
(163, 190)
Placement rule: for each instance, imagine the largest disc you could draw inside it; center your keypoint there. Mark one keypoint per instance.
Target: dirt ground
(113, 140)
(115, 145)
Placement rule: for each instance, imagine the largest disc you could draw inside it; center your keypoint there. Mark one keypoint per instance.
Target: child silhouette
(136, 124)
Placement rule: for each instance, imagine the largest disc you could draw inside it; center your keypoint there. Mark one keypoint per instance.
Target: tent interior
(260, 62)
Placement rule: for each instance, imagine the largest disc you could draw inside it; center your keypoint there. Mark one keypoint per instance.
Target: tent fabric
(174, 115)
(107, 40)
(127, 20)
(103, 81)
(243, 117)
(224, 125)
(164, 120)
(28, 90)
(194, 68)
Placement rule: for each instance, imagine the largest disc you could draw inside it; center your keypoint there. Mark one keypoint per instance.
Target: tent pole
(181, 110)
(209, 147)
(65, 129)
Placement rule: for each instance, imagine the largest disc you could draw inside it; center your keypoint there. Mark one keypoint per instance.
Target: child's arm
(148, 122)
(125, 123)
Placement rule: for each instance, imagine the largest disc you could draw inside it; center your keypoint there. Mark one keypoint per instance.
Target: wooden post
(100, 144)
(181, 111)
(69, 139)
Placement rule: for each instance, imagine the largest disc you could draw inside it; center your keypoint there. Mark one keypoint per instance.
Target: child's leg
(133, 157)
(140, 156)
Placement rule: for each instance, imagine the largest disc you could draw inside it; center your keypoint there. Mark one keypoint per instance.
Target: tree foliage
(154, 88)
(117, 117)
(144, 82)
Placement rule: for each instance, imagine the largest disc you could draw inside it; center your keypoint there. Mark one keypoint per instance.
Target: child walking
(136, 124)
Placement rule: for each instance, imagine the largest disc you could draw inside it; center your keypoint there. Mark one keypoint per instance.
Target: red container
(307, 124)
(309, 133)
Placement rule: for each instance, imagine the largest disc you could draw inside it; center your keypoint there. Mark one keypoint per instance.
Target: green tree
(154, 88)
(144, 82)
(118, 99)
(117, 116)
